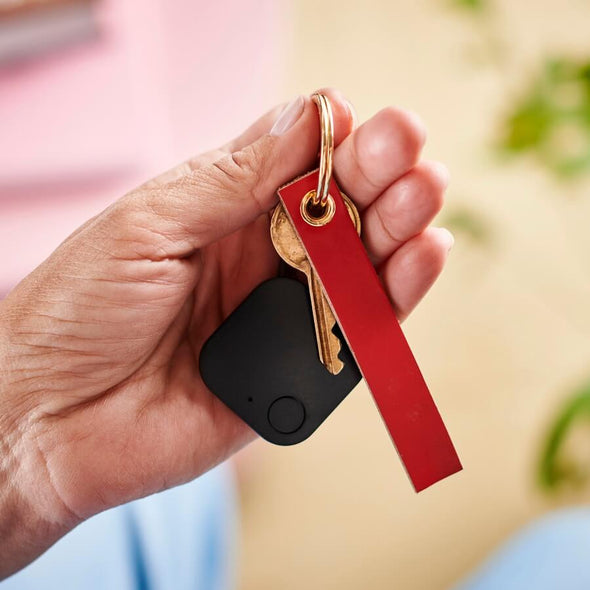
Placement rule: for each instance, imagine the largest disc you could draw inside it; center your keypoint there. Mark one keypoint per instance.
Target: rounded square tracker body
(263, 363)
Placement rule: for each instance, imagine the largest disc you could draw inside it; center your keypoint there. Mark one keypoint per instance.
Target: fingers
(377, 154)
(203, 204)
(259, 128)
(410, 272)
(404, 209)
(344, 121)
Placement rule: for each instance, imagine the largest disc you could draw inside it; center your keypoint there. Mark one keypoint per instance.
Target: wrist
(31, 516)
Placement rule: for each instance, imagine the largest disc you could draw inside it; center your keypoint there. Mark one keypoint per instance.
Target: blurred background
(97, 96)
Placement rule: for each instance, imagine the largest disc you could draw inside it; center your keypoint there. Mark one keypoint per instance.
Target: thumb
(209, 201)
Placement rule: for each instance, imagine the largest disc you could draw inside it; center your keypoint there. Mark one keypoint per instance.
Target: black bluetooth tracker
(263, 363)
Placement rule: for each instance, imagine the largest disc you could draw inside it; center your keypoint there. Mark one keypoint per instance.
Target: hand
(101, 400)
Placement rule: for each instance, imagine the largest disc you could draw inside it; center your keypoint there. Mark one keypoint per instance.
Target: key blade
(332, 344)
(328, 343)
(291, 250)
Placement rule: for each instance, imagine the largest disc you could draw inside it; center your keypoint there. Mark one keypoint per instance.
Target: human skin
(101, 400)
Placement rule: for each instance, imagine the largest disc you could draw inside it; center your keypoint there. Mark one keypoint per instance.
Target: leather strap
(375, 338)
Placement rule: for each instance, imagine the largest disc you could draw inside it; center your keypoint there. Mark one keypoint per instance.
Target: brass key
(291, 250)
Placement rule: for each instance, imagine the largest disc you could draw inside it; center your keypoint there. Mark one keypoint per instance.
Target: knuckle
(384, 218)
(239, 168)
(248, 162)
(141, 224)
(243, 172)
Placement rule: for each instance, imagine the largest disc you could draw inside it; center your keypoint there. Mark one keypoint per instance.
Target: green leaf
(551, 119)
(461, 220)
(556, 466)
(474, 5)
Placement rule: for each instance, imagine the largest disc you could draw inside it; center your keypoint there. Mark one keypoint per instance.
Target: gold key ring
(326, 149)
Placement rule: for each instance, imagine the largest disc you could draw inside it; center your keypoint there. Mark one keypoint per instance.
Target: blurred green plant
(464, 221)
(551, 122)
(474, 5)
(559, 466)
(552, 119)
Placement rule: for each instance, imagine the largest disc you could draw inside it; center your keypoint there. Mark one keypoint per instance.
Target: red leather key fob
(371, 329)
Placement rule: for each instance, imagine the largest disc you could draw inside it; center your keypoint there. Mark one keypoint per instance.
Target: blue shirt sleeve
(179, 539)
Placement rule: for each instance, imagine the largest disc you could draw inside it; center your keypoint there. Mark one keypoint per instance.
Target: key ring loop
(326, 149)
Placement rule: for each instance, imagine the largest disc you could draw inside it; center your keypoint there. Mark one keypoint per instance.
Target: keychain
(288, 355)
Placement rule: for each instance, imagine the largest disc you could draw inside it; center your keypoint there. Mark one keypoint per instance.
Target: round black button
(286, 414)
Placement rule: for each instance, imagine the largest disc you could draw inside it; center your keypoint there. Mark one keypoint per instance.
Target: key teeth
(338, 365)
(336, 370)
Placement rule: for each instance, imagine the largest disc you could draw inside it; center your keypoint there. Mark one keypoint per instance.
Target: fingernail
(288, 117)
(446, 237)
(353, 114)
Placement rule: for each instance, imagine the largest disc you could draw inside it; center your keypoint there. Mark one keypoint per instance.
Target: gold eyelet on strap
(317, 214)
